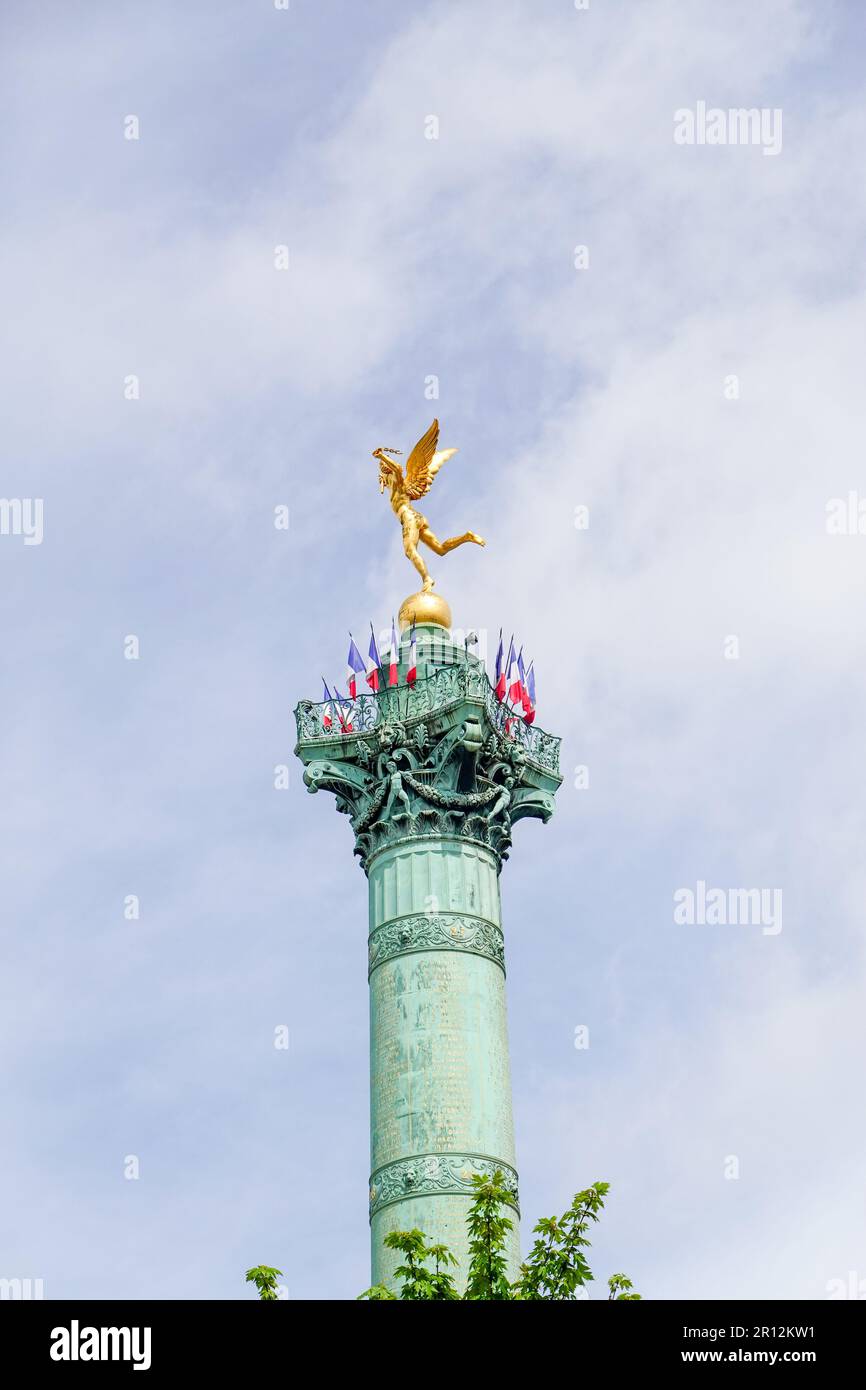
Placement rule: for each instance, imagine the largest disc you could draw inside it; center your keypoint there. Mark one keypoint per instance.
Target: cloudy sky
(695, 381)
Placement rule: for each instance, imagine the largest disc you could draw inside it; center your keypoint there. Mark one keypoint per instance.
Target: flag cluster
(373, 671)
(514, 683)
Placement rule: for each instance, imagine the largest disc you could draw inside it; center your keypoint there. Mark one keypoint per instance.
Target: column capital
(441, 758)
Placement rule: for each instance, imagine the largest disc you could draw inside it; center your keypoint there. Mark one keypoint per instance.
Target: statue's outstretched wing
(424, 463)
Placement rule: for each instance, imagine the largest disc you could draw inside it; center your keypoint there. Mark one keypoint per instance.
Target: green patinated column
(433, 778)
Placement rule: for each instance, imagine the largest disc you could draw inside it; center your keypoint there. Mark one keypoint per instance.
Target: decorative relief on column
(443, 759)
(439, 932)
(427, 1174)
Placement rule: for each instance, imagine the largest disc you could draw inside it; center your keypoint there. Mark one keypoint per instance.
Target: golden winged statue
(422, 466)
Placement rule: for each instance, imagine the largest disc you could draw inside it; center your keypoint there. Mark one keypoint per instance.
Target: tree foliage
(265, 1279)
(555, 1270)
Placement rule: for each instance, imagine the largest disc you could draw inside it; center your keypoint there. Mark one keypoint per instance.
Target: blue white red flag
(355, 664)
(504, 673)
(499, 674)
(327, 712)
(412, 668)
(393, 671)
(373, 663)
(515, 686)
(529, 702)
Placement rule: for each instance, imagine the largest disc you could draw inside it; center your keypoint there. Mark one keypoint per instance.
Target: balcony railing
(413, 704)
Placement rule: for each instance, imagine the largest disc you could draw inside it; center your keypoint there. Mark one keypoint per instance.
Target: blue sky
(602, 387)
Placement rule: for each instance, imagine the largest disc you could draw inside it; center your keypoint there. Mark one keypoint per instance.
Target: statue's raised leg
(443, 547)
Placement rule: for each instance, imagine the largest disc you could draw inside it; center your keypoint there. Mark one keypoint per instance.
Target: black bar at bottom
(250, 1338)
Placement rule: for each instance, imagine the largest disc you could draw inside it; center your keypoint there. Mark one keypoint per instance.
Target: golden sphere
(424, 608)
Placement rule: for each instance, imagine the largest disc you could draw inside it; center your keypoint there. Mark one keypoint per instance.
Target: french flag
(412, 669)
(503, 672)
(521, 675)
(393, 673)
(529, 701)
(515, 686)
(327, 712)
(355, 664)
(345, 725)
(499, 683)
(373, 663)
